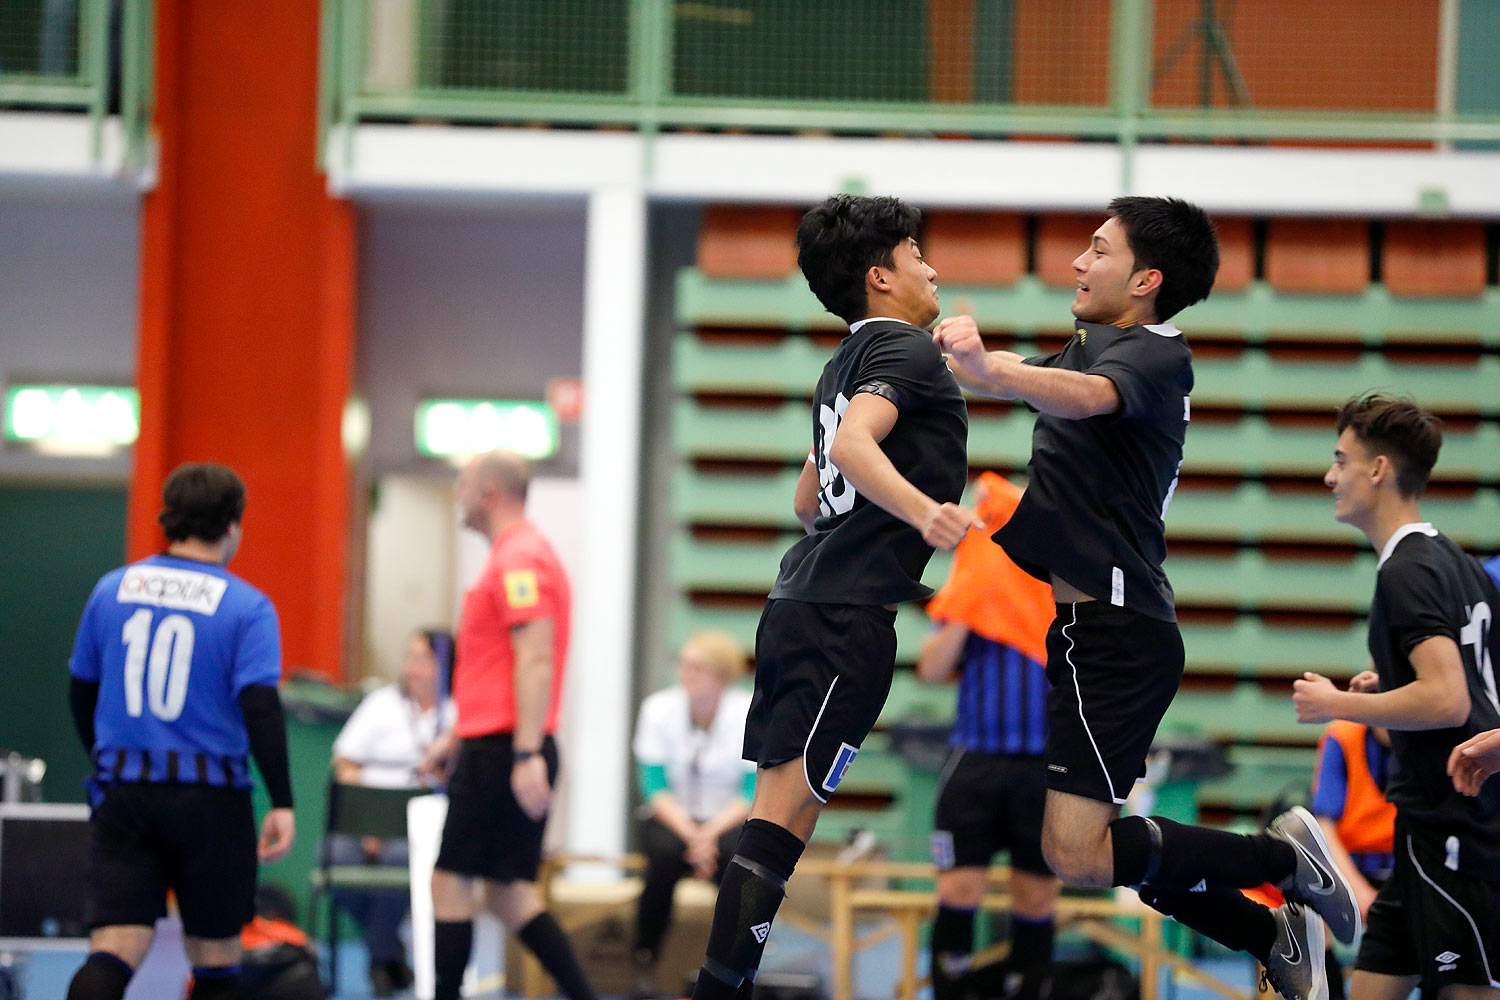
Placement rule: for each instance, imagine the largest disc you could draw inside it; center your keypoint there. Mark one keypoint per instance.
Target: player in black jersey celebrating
(877, 494)
(1112, 415)
(1437, 919)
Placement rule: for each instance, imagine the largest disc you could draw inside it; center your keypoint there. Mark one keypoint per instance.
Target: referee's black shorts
(987, 803)
(822, 674)
(487, 834)
(195, 840)
(1114, 672)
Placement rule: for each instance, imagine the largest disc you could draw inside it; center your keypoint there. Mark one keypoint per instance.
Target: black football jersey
(1096, 501)
(859, 553)
(1427, 586)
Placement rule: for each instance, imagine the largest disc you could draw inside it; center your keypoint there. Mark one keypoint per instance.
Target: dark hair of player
(201, 501)
(840, 240)
(1176, 238)
(1401, 430)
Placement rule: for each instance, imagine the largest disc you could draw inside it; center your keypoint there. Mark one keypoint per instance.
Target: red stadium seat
(1318, 255)
(975, 248)
(1434, 258)
(747, 241)
(1236, 254)
(1060, 238)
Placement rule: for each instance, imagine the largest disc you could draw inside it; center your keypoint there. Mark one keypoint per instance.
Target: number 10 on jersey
(157, 664)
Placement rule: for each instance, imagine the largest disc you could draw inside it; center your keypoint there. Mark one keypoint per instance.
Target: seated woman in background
(696, 787)
(380, 747)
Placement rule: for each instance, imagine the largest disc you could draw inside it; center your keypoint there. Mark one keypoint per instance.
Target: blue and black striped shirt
(1002, 700)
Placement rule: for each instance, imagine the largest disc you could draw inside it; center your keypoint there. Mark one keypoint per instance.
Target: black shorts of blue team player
(197, 841)
(1113, 672)
(822, 674)
(988, 803)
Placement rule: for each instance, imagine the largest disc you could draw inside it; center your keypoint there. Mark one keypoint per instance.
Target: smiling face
(1353, 477)
(907, 290)
(1110, 288)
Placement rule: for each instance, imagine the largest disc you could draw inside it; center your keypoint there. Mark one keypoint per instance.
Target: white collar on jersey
(854, 327)
(1163, 329)
(1406, 529)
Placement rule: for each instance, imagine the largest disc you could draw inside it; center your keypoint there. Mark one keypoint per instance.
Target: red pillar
(247, 305)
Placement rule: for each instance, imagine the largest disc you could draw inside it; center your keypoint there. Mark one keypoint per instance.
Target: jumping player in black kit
(1437, 919)
(877, 494)
(1112, 416)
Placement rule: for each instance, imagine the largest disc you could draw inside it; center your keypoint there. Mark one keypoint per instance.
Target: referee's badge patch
(841, 764)
(942, 849)
(521, 590)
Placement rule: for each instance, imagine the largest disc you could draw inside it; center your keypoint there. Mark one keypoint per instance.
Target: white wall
(69, 274)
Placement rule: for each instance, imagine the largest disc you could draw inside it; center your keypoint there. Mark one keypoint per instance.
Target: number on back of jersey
(835, 493)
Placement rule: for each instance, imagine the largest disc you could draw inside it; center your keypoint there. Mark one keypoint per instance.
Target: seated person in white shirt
(380, 747)
(695, 784)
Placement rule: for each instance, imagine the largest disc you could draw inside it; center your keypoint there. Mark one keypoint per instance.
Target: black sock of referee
(952, 949)
(452, 940)
(1226, 915)
(753, 886)
(550, 945)
(103, 976)
(220, 982)
(1171, 855)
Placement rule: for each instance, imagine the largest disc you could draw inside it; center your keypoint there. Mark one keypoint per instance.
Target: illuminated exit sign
(72, 419)
(455, 428)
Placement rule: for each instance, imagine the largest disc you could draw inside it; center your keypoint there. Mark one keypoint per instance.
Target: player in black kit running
(1113, 412)
(1437, 919)
(877, 494)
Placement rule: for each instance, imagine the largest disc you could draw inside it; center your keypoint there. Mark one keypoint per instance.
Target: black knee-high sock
(1172, 856)
(1226, 915)
(220, 982)
(103, 976)
(952, 949)
(1031, 941)
(754, 883)
(550, 945)
(452, 941)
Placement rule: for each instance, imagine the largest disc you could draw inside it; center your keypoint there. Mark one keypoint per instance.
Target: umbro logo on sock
(761, 931)
(1202, 886)
(1447, 961)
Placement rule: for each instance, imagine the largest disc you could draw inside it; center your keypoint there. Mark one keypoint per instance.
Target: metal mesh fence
(39, 38)
(892, 51)
(576, 46)
(1375, 55)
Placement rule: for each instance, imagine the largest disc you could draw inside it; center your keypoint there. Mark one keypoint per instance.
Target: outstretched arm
(1002, 375)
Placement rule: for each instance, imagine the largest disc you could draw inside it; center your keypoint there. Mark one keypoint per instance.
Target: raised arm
(1003, 375)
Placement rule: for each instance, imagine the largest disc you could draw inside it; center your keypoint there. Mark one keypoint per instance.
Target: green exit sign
(456, 428)
(72, 419)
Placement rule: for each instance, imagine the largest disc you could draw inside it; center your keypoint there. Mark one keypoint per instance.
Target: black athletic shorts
(987, 803)
(195, 840)
(1432, 922)
(1113, 672)
(487, 834)
(822, 673)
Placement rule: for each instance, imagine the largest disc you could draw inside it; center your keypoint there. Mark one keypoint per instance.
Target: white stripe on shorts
(1082, 718)
(807, 777)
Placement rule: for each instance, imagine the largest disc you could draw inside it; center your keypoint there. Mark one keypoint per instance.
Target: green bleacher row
(1245, 646)
(1373, 317)
(1253, 380)
(1249, 446)
(1249, 512)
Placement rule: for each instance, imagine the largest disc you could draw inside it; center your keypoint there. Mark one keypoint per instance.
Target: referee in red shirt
(507, 685)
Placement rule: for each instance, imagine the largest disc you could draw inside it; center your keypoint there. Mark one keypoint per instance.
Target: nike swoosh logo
(1325, 884)
(1293, 957)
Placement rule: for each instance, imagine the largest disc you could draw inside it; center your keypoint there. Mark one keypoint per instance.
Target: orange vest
(987, 592)
(1368, 825)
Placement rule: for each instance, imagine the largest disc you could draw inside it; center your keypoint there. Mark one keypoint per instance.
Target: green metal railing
(91, 57)
(991, 68)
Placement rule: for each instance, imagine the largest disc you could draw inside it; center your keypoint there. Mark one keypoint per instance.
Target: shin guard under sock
(1226, 915)
(1175, 856)
(952, 949)
(452, 941)
(103, 976)
(550, 945)
(753, 886)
